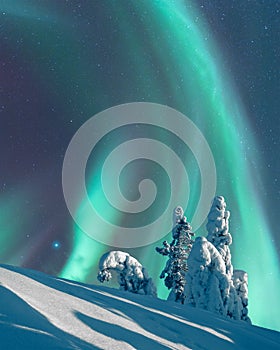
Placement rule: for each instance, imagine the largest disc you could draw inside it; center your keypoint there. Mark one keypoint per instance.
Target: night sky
(215, 61)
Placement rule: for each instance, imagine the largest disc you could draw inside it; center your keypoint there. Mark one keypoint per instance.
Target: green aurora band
(214, 106)
(170, 59)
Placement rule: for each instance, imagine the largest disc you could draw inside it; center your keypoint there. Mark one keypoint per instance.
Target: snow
(207, 283)
(132, 276)
(212, 284)
(38, 311)
(218, 230)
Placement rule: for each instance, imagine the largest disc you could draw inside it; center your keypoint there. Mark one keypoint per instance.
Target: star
(56, 245)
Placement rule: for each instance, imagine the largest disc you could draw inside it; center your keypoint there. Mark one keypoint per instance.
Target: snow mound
(38, 311)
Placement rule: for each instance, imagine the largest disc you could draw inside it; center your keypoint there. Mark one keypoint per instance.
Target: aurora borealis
(63, 62)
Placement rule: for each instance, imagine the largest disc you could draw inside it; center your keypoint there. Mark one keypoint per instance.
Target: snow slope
(42, 312)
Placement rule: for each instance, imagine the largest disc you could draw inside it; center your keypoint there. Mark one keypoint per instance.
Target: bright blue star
(56, 245)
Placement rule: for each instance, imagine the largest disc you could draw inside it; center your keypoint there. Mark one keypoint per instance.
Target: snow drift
(38, 311)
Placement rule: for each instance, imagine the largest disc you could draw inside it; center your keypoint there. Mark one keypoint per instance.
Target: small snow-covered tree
(132, 276)
(177, 252)
(240, 282)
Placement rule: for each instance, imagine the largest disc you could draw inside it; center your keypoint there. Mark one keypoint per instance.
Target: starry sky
(215, 61)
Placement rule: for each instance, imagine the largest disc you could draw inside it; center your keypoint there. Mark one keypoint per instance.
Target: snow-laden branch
(132, 276)
(177, 252)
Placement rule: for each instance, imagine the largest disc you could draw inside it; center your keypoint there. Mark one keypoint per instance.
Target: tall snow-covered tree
(208, 285)
(132, 276)
(212, 283)
(177, 252)
(218, 231)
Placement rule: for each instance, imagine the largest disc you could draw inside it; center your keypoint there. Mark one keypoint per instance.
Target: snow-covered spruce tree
(240, 282)
(177, 252)
(217, 227)
(210, 282)
(132, 276)
(207, 284)
(218, 234)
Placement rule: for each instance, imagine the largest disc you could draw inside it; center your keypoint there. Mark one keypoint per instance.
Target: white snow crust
(41, 312)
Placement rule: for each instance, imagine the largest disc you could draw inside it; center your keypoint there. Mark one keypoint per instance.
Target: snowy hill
(38, 311)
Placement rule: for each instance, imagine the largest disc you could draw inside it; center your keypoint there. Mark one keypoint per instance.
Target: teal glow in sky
(208, 96)
(86, 59)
